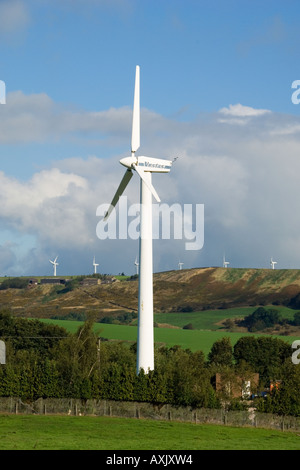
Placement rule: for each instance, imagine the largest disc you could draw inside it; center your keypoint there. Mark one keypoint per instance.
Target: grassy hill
(190, 290)
(203, 297)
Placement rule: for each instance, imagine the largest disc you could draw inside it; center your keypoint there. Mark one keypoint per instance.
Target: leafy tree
(78, 355)
(260, 319)
(265, 354)
(221, 352)
(24, 334)
(284, 398)
(187, 378)
(296, 320)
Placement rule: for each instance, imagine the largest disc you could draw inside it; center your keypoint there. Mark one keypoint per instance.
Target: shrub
(189, 326)
(14, 283)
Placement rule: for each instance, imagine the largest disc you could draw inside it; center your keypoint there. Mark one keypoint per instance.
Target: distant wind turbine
(54, 265)
(136, 263)
(95, 265)
(272, 263)
(225, 263)
(180, 265)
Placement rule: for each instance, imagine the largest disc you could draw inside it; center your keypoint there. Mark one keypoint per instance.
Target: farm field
(194, 340)
(210, 319)
(27, 432)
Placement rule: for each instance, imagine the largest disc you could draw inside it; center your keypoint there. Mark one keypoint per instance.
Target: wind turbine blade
(125, 180)
(141, 174)
(135, 137)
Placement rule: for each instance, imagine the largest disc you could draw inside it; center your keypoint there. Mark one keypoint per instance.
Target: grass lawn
(27, 432)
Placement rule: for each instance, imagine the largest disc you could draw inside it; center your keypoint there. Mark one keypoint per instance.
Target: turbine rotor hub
(128, 162)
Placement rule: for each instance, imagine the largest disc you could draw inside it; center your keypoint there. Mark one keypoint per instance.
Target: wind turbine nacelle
(155, 165)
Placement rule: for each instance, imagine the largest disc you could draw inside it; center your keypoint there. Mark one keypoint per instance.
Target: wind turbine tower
(95, 265)
(272, 263)
(54, 265)
(144, 167)
(180, 265)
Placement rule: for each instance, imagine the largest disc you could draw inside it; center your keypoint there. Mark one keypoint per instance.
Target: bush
(189, 326)
(78, 316)
(296, 320)
(14, 283)
(123, 318)
(185, 309)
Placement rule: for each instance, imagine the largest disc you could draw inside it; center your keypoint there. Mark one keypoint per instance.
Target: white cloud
(25, 205)
(37, 118)
(246, 177)
(242, 111)
(286, 129)
(239, 114)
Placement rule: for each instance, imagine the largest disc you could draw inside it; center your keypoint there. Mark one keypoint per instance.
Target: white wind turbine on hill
(225, 263)
(272, 263)
(54, 265)
(136, 263)
(144, 167)
(95, 265)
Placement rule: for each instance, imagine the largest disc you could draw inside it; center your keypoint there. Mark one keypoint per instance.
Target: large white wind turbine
(144, 167)
(54, 265)
(95, 265)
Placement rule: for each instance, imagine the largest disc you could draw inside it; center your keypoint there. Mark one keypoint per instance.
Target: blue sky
(216, 82)
(197, 54)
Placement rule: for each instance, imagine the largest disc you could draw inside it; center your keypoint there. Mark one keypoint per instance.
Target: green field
(37, 432)
(209, 319)
(194, 340)
(27, 432)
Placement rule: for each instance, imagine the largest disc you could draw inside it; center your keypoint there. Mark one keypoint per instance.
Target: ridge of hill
(174, 291)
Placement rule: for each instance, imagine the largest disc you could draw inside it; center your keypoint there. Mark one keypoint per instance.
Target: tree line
(45, 360)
